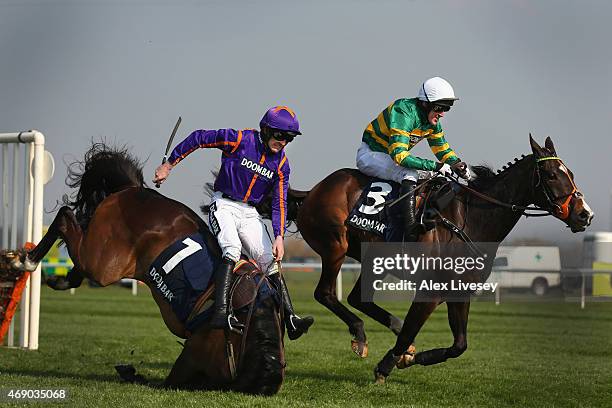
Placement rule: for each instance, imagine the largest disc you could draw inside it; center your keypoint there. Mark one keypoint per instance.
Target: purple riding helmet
(281, 118)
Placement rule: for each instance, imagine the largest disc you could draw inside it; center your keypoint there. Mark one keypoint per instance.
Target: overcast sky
(125, 70)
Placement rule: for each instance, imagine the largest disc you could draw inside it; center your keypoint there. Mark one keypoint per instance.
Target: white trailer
(535, 268)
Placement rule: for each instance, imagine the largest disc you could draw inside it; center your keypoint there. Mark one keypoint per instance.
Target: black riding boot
(221, 318)
(296, 326)
(408, 210)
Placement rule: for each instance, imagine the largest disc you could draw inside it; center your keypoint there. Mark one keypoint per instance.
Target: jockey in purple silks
(253, 165)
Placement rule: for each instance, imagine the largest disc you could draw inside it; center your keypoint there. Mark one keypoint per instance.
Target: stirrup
(233, 324)
(291, 317)
(295, 332)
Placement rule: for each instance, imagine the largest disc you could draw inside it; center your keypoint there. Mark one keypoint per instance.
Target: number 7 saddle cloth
(183, 274)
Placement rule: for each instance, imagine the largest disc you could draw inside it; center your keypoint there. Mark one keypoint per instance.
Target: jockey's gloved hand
(461, 169)
(444, 168)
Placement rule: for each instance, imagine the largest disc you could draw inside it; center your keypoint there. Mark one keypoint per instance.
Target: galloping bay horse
(487, 212)
(116, 227)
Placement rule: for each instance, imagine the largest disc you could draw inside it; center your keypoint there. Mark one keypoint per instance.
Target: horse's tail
(295, 199)
(104, 170)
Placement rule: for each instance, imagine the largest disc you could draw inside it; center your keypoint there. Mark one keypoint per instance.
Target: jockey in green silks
(388, 139)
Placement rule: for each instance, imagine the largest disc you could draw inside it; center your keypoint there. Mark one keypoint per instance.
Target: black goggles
(440, 108)
(282, 136)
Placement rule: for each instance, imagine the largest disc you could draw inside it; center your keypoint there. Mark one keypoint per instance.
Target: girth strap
(460, 233)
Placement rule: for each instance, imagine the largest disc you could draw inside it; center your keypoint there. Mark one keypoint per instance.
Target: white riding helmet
(436, 89)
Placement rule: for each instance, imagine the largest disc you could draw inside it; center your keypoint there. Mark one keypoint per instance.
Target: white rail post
(39, 152)
(339, 284)
(32, 214)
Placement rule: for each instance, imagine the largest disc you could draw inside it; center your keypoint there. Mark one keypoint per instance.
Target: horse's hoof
(378, 377)
(407, 359)
(17, 265)
(30, 265)
(412, 349)
(360, 348)
(58, 283)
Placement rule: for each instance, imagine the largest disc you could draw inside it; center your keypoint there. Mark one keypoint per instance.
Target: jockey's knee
(267, 263)
(409, 177)
(232, 253)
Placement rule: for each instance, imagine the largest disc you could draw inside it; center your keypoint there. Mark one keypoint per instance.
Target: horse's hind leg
(373, 310)
(325, 293)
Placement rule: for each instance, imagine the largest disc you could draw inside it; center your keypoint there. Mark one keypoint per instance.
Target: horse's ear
(535, 147)
(548, 143)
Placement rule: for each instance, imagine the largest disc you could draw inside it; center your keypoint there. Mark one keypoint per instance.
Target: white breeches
(239, 227)
(381, 165)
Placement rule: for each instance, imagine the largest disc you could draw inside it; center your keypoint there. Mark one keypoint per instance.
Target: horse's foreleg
(372, 310)
(184, 373)
(457, 319)
(64, 226)
(415, 318)
(203, 363)
(72, 280)
(325, 293)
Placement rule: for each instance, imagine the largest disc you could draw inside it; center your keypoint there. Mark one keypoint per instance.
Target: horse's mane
(486, 177)
(104, 170)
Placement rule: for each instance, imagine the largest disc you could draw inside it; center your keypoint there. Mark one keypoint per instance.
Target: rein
(392, 202)
(560, 211)
(513, 207)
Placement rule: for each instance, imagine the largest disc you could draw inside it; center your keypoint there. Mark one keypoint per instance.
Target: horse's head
(555, 189)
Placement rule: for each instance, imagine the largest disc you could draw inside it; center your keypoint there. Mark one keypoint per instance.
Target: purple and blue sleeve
(223, 139)
(279, 199)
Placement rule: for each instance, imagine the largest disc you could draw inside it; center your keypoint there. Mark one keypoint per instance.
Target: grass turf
(520, 354)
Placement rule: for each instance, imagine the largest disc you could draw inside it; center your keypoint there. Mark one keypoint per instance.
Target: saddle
(374, 213)
(242, 294)
(433, 194)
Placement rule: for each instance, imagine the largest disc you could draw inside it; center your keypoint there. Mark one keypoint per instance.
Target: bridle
(560, 211)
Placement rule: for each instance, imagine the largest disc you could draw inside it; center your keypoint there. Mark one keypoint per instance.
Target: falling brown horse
(116, 227)
(487, 213)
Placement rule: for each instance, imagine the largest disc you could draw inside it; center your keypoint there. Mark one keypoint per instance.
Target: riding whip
(165, 159)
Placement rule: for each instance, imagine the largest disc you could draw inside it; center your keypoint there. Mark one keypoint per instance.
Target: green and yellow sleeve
(400, 123)
(440, 147)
